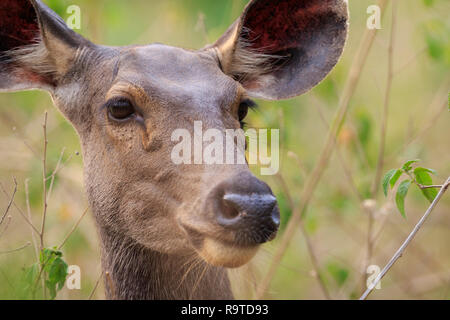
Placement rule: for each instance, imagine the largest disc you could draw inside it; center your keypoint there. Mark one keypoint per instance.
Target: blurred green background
(418, 127)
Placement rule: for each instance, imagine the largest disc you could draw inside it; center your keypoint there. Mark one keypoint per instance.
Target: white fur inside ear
(250, 64)
(34, 57)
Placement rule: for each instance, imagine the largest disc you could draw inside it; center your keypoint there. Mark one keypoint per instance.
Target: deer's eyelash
(246, 104)
(249, 103)
(116, 101)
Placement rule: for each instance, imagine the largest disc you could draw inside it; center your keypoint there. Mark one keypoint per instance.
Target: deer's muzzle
(239, 214)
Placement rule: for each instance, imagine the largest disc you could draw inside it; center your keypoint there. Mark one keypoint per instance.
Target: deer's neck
(132, 271)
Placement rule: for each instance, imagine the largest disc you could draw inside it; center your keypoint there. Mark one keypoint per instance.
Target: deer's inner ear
(280, 49)
(36, 47)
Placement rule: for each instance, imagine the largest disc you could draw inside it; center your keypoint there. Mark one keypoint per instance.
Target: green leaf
(395, 177)
(340, 274)
(426, 170)
(435, 48)
(423, 177)
(400, 196)
(53, 264)
(47, 257)
(407, 165)
(56, 276)
(385, 181)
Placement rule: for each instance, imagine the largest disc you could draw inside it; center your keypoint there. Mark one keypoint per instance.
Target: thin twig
(73, 229)
(44, 181)
(44, 196)
(10, 202)
(65, 163)
(53, 175)
(8, 222)
(19, 210)
(33, 234)
(316, 175)
(405, 244)
(293, 155)
(17, 249)
(411, 60)
(345, 166)
(91, 295)
(439, 102)
(421, 186)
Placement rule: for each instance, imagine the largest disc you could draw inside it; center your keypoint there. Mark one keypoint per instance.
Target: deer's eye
(243, 108)
(120, 109)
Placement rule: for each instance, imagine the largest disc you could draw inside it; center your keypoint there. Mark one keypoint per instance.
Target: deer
(171, 231)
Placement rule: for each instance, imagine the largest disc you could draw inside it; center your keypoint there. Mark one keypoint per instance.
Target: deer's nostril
(249, 211)
(229, 209)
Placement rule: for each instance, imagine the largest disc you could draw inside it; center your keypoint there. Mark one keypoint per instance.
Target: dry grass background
(335, 222)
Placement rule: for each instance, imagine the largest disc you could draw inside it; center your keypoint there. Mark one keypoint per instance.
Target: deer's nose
(250, 212)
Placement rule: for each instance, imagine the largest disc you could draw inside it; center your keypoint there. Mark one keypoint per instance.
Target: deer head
(125, 103)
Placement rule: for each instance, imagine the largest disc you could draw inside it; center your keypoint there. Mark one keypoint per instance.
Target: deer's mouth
(218, 250)
(220, 253)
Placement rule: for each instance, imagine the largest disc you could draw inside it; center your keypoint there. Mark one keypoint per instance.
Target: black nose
(247, 206)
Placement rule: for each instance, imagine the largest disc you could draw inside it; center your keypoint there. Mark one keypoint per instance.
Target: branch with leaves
(419, 176)
(411, 236)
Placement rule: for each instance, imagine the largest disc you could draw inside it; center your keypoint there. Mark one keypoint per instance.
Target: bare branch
(405, 244)
(293, 155)
(91, 295)
(53, 175)
(421, 186)
(33, 233)
(10, 202)
(17, 249)
(19, 210)
(440, 103)
(44, 181)
(73, 229)
(8, 222)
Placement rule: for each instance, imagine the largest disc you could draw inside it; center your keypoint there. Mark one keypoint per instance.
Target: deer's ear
(36, 46)
(282, 48)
